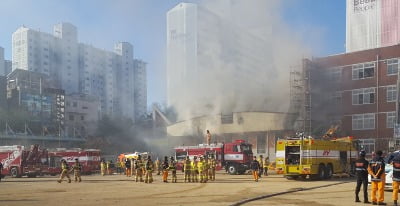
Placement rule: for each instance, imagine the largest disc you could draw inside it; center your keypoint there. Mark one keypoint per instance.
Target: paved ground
(226, 190)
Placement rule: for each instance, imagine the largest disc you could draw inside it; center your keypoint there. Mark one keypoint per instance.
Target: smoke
(244, 54)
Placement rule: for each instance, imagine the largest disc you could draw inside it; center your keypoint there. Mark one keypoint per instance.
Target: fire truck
(88, 158)
(18, 161)
(235, 157)
(315, 158)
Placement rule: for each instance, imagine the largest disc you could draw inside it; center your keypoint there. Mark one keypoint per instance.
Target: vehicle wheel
(321, 172)
(232, 169)
(292, 177)
(329, 171)
(14, 172)
(31, 175)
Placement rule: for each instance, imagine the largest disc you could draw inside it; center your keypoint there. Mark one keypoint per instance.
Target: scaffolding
(300, 98)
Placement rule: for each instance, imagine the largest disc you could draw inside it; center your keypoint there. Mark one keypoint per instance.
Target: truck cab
(237, 157)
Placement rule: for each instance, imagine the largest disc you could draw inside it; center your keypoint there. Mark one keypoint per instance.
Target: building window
(82, 118)
(392, 66)
(68, 104)
(335, 73)
(363, 96)
(363, 71)
(337, 97)
(368, 145)
(74, 104)
(261, 143)
(71, 117)
(390, 119)
(391, 94)
(363, 121)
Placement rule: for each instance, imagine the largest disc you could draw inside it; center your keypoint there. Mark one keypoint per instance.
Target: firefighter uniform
(187, 167)
(77, 168)
(211, 171)
(376, 168)
(108, 167)
(255, 167)
(201, 168)
(261, 162)
(206, 167)
(165, 167)
(361, 166)
(396, 178)
(195, 170)
(172, 167)
(103, 168)
(64, 171)
(149, 170)
(128, 170)
(266, 165)
(138, 169)
(158, 166)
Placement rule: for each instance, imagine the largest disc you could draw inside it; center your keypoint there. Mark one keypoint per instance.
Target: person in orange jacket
(255, 167)
(376, 168)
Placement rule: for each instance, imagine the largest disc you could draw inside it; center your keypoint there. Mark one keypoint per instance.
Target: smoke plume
(244, 57)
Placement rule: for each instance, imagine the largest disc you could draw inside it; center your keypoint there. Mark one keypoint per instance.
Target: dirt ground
(226, 190)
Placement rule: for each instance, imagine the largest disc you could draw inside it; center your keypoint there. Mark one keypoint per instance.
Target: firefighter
(261, 162)
(103, 167)
(208, 137)
(77, 168)
(187, 167)
(108, 167)
(133, 171)
(138, 169)
(64, 171)
(149, 170)
(128, 170)
(362, 176)
(396, 178)
(158, 166)
(266, 165)
(376, 168)
(195, 170)
(255, 167)
(172, 167)
(213, 165)
(201, 168)
(165, 167)
(206, 167)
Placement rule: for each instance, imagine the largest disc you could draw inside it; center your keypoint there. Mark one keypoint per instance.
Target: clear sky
(143, 23)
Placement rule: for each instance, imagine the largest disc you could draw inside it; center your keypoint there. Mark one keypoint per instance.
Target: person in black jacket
(165, 167)
(376, 168)
(396, 178)
(255, 167)
(362, 176)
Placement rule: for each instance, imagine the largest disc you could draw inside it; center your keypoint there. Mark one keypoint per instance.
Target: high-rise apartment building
(78, 67)
(140, 85)
(372, 24)
(207, 56)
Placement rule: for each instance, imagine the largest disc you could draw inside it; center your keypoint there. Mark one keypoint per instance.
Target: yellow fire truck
(315, 158)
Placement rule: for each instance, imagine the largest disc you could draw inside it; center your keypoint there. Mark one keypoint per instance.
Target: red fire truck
(89, 158)
(235, 157)
(18, 161)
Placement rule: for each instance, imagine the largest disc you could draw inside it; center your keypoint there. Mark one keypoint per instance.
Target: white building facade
(372, 24)
(207, 56)
(78, 67)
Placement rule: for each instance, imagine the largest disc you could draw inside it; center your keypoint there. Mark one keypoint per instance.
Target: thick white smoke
(245, 53)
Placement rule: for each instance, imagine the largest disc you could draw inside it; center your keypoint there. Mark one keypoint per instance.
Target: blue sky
(143, 23)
